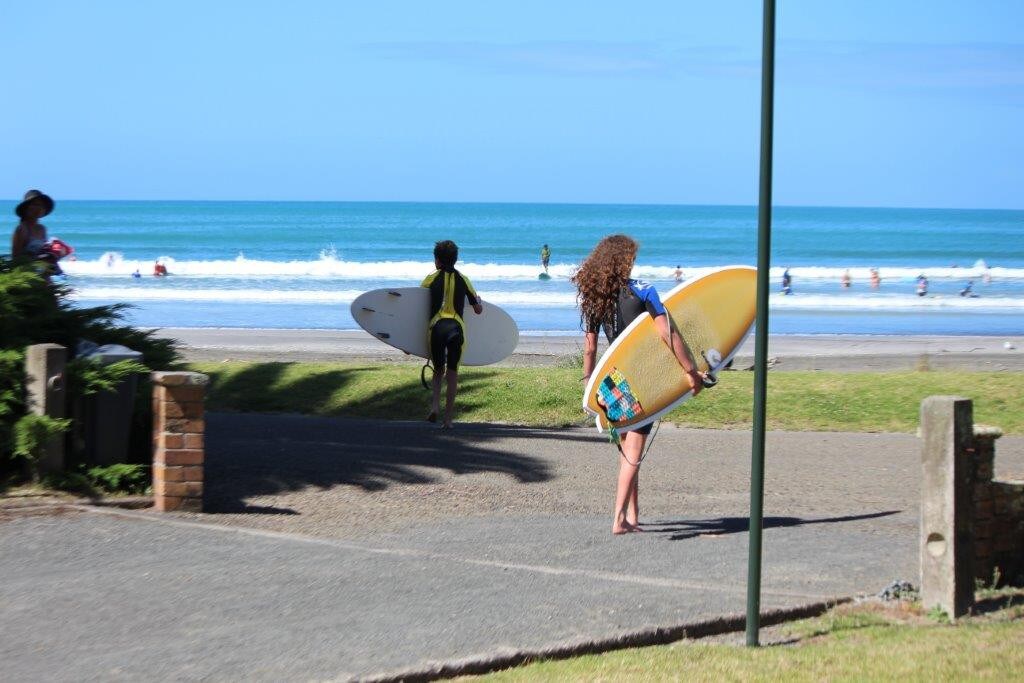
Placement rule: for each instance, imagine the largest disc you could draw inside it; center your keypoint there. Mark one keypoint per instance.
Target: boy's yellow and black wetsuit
(449, 290)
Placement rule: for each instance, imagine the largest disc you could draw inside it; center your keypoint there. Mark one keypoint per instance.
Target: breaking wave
(561, 299)
(328, 266)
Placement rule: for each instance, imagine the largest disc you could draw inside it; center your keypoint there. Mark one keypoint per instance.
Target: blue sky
(877, 103)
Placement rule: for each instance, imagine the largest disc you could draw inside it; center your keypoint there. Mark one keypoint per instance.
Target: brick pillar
(1008, 532)
(984, 521)
(178, 452)
(947, 544)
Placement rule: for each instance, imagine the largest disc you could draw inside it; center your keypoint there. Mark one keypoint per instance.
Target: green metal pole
(764, 245)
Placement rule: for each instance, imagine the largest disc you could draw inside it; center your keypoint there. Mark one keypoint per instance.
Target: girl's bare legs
(435, 402)
(449, 399)
(633, 508)
(626, 513)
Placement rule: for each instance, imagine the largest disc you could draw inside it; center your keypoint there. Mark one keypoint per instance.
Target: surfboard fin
(394, 293)
(368, 309)
(714, 360)
(384, 335)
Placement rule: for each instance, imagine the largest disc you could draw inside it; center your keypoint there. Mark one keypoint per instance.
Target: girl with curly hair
(610, 299)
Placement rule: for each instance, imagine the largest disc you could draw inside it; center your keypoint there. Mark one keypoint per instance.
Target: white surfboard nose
(399, 316)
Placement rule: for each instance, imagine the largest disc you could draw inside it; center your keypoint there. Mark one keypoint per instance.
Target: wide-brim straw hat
(31, 196)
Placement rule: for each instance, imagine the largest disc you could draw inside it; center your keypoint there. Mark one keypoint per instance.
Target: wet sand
(844, 353)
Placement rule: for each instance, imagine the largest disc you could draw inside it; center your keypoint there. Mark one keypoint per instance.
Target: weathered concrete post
(44, 372)
(178, 449)
(947, 573)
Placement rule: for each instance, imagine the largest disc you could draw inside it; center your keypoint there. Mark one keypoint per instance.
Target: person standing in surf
(876, 279)
(787, 282)
(446, 331)
(610, 300)
(545, 257)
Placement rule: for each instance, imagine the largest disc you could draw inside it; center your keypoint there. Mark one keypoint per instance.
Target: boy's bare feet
(624, 528)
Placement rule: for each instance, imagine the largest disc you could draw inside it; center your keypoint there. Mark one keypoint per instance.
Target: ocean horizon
(298, 265)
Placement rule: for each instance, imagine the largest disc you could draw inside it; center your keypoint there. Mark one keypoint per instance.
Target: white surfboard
(398, 316)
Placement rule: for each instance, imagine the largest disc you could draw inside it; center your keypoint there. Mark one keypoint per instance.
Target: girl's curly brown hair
(601, 276)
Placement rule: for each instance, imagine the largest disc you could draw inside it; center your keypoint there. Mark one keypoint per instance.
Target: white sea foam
(328, 266)
(559, 299)
(896, 303)
(139, 294)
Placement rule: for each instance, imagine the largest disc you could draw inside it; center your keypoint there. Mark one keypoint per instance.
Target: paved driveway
(340, 549)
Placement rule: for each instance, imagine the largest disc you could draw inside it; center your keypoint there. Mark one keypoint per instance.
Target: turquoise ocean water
(300, 264)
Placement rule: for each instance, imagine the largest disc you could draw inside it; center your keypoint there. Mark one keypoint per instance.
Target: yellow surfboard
(639, 379)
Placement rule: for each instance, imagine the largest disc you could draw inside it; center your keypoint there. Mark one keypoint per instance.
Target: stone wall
(972, 526)
(998, 515)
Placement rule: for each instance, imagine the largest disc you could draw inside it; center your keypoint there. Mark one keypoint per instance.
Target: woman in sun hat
(29, 239)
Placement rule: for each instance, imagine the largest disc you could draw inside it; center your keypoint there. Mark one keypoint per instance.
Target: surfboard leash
(423, 375)
(647, 449)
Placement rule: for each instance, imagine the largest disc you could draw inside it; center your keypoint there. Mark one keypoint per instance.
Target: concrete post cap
(987, 432)
(180, 379)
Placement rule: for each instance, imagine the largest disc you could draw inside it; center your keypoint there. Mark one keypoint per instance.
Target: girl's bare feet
(624, 528)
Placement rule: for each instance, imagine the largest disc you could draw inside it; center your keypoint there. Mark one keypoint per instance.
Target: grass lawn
(550, 396)
(867, 642)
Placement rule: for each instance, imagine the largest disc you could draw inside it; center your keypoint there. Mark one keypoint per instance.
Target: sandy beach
(845, 353)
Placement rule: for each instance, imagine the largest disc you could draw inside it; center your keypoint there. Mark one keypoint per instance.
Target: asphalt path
(336, 549)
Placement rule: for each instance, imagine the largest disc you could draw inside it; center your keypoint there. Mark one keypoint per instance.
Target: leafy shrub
(85, 378)
(31, 433)
(93, 481)
(36, 311)
(119, 478)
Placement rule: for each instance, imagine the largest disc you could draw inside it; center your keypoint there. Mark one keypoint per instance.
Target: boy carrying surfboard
(446, 331)
(610, 299)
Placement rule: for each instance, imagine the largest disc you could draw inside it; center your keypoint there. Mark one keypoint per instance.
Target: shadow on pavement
(237, 507)
(258, 454)
(365, 391)
(682, 530)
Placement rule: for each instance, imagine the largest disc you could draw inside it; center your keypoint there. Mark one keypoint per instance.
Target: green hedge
(34, 310)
